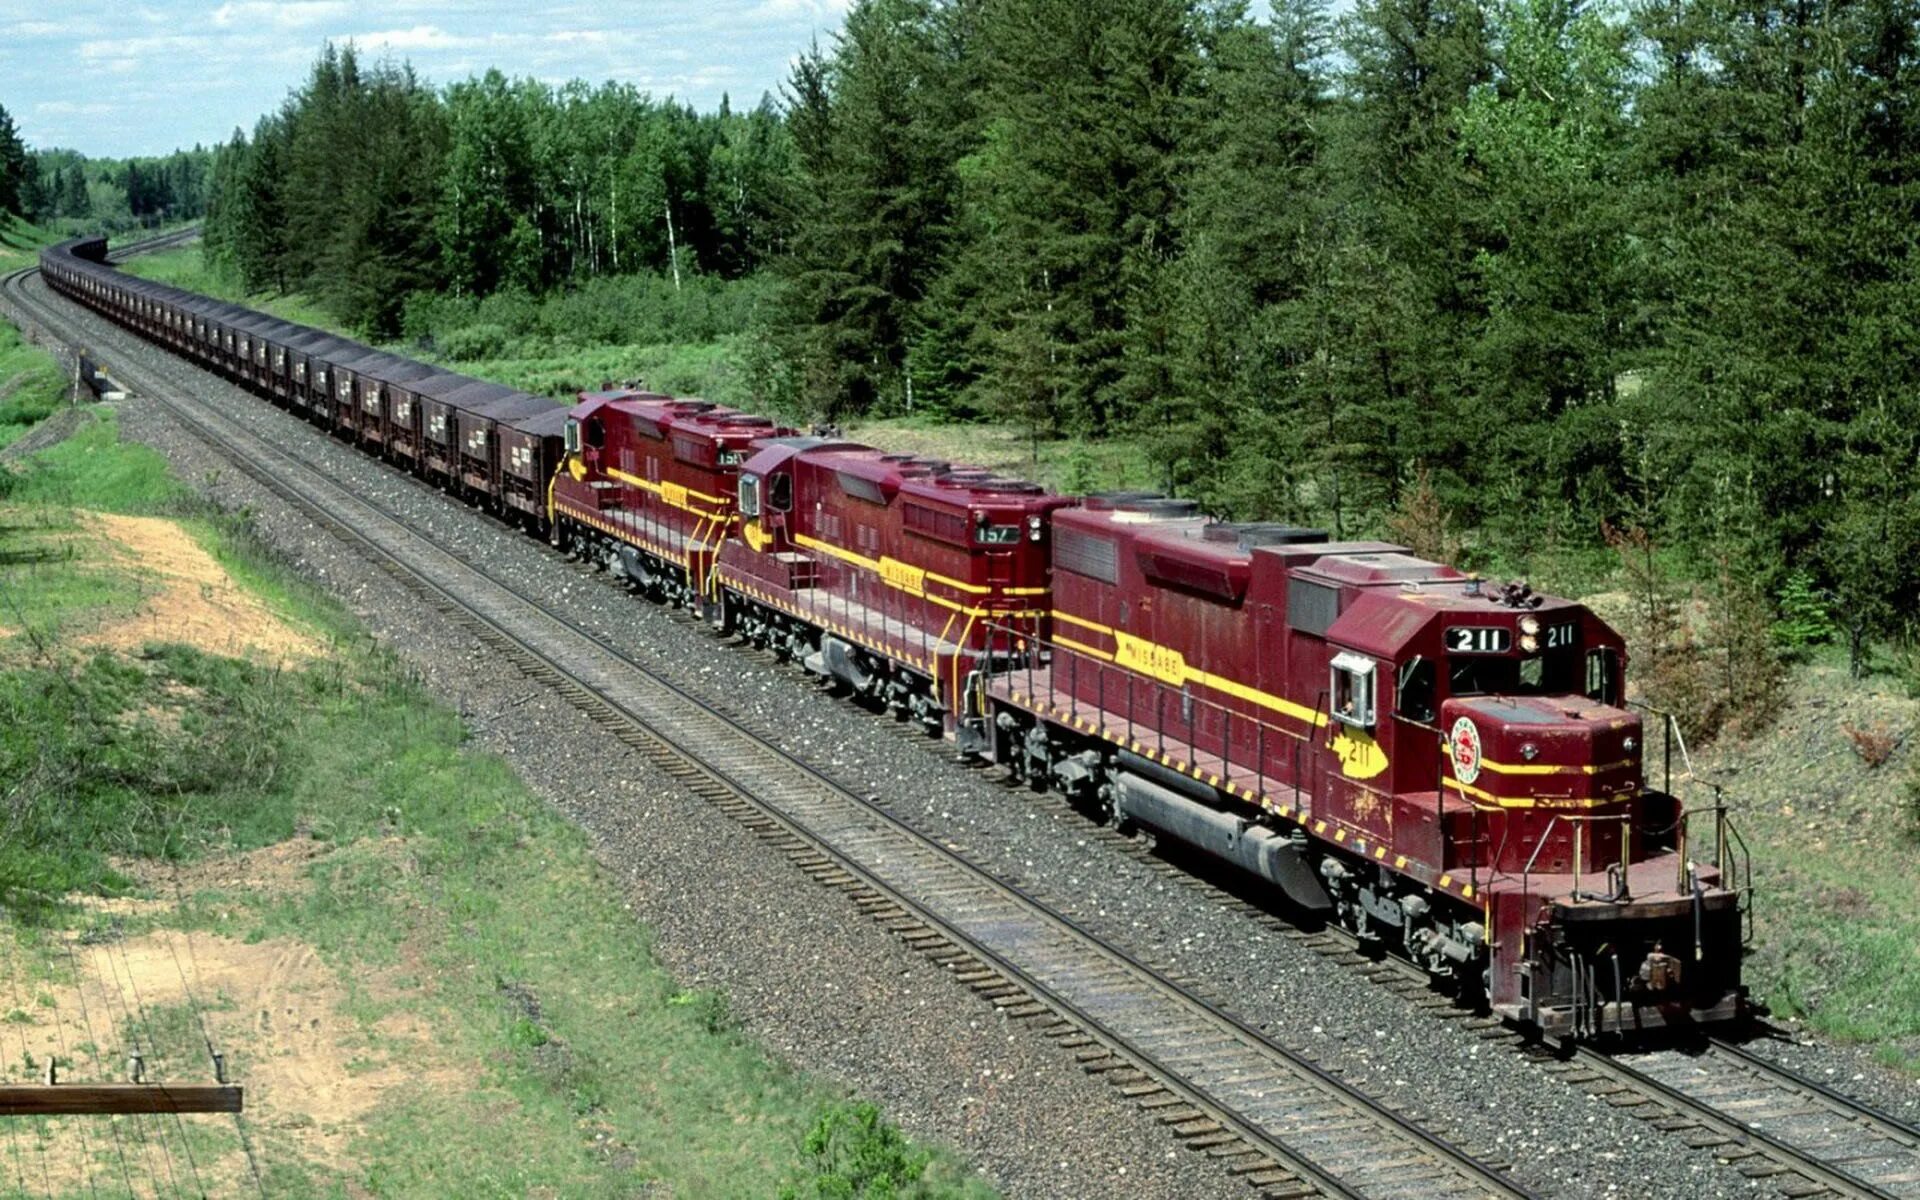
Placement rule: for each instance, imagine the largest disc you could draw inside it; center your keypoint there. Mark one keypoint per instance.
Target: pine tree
(15, 166)
(1229, 425)
(873, 201)
(1394, 300)
(75, 200)
(1071, 197)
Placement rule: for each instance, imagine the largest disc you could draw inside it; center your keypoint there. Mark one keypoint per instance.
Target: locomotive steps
(1220, 1086)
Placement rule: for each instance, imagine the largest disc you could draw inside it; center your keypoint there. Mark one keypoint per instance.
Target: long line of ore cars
(1444, 767)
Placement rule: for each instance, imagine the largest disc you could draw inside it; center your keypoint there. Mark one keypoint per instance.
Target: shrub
(1874, 744)
(1804, 620)
(472, 342)
(1913, 801)
(855, 1154)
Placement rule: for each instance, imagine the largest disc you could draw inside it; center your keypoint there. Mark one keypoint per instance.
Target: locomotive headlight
(1629, 745)
(1529, 751)
(1033, 527)
(1530, 624)
(1529, 644)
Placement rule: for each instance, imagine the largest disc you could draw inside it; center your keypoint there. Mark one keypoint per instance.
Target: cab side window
(1603, 675)
(1352, 690)
(780, 492)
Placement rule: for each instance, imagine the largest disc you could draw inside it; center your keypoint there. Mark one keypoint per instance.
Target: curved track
(1287, 1127)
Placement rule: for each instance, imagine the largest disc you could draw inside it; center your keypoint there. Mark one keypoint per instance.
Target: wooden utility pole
(115, 1099)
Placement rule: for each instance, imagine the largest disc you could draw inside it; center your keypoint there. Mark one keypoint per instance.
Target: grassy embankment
(218, 790)
(20, 243)
(1834, 854)
(1836, 845)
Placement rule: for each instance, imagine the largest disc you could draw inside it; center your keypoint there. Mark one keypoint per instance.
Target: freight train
(1446, 768)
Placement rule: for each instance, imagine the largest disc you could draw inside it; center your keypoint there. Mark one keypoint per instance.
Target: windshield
(1490, 675)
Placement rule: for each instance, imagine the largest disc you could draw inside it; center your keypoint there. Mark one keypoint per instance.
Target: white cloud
(420, 37)
(181, 71)
(296, 15)
(68, 108)
(798, 10)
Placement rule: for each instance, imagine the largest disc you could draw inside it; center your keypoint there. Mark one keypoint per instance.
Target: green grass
(32, 385)
(1836, 928)
(711, 370)
(20, 242)
(561, 1058)
(186, 267)
(1071, 464)
(94, 469)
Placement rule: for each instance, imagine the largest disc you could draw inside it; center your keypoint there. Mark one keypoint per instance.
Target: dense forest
(49, 186)
(1512, 275)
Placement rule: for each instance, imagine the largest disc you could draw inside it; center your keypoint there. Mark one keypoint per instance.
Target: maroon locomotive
(885, 571)
(1437, 765)
(1444, 768)
(648, 487)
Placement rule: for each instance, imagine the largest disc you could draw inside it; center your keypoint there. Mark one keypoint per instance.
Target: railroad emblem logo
(1463, 748)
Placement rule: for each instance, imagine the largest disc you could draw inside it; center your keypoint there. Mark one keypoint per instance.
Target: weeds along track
(1276, 1120)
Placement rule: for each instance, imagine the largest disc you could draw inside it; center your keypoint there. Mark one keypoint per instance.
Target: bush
(1875, 744)
(1913, 800)
(472, 342)
(855, 1154)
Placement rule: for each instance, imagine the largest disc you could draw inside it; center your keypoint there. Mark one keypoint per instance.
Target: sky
(124, 79)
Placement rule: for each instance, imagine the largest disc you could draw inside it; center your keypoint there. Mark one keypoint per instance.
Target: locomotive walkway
(1223, 1087)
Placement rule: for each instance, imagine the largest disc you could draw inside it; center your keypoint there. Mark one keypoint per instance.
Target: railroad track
(164, 241)
(1272, 1116)
(1766, 1121)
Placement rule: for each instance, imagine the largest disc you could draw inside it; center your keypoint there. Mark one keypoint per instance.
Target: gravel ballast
(835, 995)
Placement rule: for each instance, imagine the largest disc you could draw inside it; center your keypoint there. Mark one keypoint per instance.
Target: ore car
(531, 449)
(477, 437)
(406, 404)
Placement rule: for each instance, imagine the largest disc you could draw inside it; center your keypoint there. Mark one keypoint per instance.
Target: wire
(26, 1058)
(86, 1143)
(133, 1039)
(200, 1012)
(153, 1060)
(86, 1016)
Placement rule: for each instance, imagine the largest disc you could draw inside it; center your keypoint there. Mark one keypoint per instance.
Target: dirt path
(293, 1028)
(191, 597)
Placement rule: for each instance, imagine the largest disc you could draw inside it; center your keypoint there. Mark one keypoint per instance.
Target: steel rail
(1770, 1151)
(1882, 1123)
(1778, 1151)
(1222, 1066)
